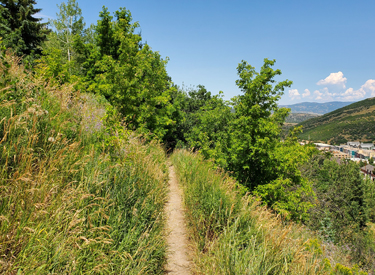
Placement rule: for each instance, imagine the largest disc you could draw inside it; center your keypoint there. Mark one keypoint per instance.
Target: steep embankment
(78, 193)
(353, 122)
(233, 234)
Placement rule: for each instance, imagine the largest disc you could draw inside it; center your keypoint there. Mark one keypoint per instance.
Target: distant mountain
(354, 122)
(299, 117)
(316, 108)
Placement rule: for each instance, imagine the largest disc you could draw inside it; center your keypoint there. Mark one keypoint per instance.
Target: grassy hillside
(315, 107)
(78, 193)
(233, 234)
(353, 122)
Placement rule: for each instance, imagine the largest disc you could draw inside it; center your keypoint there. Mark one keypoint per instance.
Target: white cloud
(334, 79)
(351, 94)
(318, 95)
(41, 15)
(294, 94)
(306, 93)
(368, 87)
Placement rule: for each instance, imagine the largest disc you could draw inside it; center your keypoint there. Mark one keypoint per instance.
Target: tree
(63, 58)
(69, 23)
(209, 129)
(104, 31)
(256, 127)
(342, 200)
(20, 30)
(131, 76)
(246, 141)
(199, 119)
(256, 154)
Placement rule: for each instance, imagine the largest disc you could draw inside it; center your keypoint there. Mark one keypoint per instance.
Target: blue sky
(327, 48)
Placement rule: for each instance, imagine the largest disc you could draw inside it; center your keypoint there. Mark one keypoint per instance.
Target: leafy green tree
(256, 127)
(69, 23)
(105, 31)
(110, 59)
(62, 58)
(131, 76)
(345, 208)
(197, 98)
(209, 132)
(192, 110)
(290, 194)
(247, 141)
(20, 30)
(257, 155)
(176, 131)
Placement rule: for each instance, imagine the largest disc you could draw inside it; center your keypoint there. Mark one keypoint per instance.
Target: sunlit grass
(233, 234)
(76, 197)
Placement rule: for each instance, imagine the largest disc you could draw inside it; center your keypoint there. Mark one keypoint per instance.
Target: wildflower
(51, 139)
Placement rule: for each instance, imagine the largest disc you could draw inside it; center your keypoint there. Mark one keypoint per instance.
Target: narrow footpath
(177, 256)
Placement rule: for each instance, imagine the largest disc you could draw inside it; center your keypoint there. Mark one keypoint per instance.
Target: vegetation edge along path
(178, 261)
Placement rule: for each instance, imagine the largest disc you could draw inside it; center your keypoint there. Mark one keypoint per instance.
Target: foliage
(176, 131)
(210, 130)
(247, 141)
(20, 30)
(109, 59)
(61, 57)
(344, 206)
(189, 106)
(255, 130)
(233, 234)
(78, 193)
(339, 189)
(291, 194)
(369, 199)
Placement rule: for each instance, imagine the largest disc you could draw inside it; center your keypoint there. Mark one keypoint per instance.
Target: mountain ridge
(316, 107)
(352, 122)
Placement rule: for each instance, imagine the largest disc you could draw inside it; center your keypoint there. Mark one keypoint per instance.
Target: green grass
(78, 193)
(233, 234)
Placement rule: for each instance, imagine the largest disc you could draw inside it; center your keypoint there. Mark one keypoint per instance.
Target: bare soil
(178, 260)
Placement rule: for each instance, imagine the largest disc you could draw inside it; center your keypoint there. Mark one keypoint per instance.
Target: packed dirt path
(177, 257)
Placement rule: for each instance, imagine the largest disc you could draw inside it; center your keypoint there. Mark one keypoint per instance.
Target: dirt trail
(177, 257)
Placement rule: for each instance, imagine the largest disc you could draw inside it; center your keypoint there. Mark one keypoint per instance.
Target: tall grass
(78, 195)
(233, 234)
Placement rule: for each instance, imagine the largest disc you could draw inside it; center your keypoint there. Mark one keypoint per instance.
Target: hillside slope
(231, 233)
(352, 122)
(79, 194)
(315, 107)
(299, 117)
